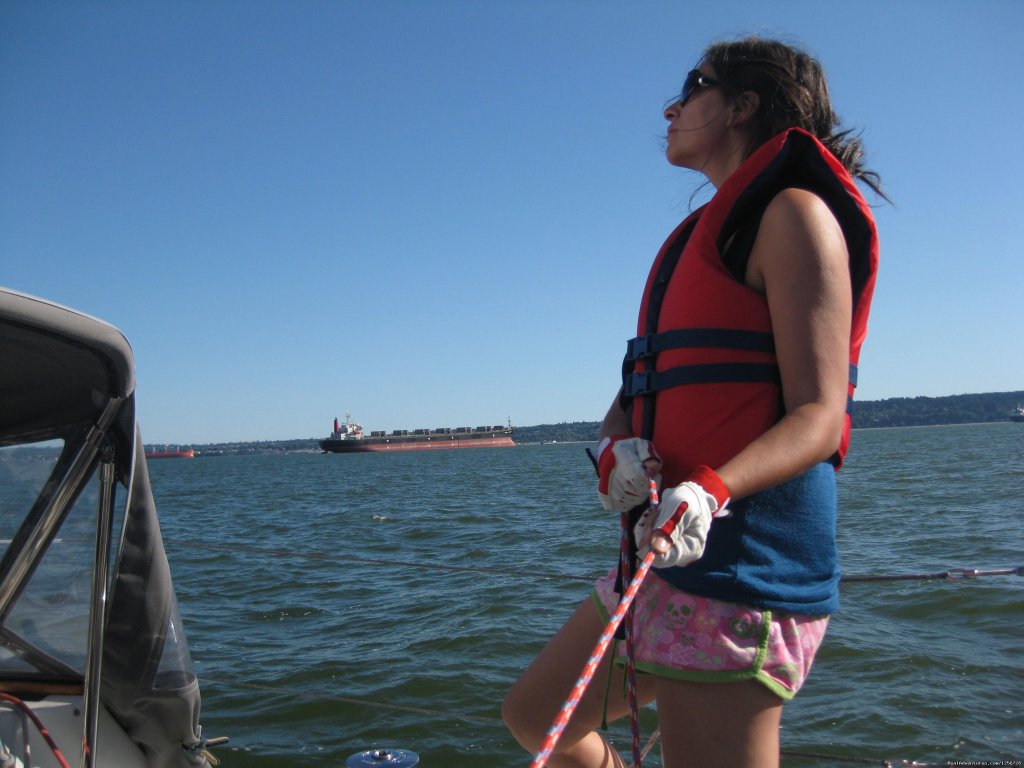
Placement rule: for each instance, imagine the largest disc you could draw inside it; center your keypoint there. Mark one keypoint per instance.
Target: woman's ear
(744, 107)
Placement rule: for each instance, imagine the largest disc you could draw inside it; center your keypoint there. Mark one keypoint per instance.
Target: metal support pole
(98, 605)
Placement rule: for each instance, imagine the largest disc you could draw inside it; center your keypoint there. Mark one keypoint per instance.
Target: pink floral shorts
(686, 637)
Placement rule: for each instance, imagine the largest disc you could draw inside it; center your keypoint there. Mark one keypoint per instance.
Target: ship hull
(416, 443)
(186, 454)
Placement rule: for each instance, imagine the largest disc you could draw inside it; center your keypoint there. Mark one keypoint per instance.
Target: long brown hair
(793, 92)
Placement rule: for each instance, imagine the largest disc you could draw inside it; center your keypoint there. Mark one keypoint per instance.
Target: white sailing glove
(622, 468)
(684, 517)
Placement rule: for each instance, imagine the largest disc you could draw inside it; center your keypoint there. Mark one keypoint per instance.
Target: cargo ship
(350, 438)
(183, 453)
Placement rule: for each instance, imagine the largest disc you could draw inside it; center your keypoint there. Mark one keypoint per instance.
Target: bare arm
(800, 262)
(616, 421)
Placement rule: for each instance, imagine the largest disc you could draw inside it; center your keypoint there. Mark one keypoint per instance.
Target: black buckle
(637, 384)
(639, 348)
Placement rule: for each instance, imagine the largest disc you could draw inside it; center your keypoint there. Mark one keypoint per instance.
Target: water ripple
(307, 657)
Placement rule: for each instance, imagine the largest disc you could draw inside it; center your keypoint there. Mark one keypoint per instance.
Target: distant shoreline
(930, 426)
(892, 413)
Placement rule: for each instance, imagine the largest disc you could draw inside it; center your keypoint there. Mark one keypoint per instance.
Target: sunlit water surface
(340, 603)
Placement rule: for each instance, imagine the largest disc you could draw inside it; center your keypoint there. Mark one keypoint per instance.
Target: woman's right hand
(624, 467)
(677, 528)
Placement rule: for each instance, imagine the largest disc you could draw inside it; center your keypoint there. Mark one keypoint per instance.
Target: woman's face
(697, 122)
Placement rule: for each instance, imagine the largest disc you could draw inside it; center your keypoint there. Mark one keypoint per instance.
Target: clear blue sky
(443, 212)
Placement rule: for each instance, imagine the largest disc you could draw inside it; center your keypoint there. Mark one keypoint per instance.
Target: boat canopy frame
(70, 378)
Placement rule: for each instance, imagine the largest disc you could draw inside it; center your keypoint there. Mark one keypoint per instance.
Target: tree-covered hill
(927, 411)
(893, 412)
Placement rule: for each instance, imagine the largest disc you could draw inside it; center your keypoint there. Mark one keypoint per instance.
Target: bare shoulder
(794, 211)
(798, 232)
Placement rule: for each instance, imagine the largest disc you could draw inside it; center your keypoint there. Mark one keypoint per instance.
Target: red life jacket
(702, 373)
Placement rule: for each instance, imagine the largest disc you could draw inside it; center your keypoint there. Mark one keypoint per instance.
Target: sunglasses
(694, 79)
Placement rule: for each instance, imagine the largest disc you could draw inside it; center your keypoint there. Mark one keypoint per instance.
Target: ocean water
(338, 603)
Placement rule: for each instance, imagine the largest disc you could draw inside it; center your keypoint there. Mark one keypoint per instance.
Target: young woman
(734, 398)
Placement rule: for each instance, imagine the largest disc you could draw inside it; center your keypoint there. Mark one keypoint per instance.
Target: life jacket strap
(646, 382)
(641, 383)
(643, 347)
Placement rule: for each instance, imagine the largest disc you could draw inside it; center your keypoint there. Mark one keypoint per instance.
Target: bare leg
(533, 702)
(718, 725)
